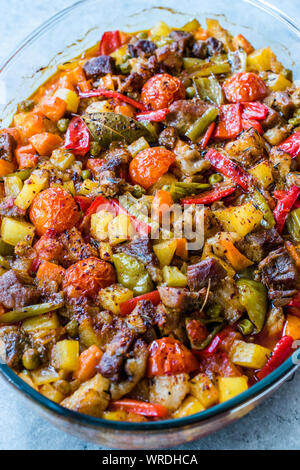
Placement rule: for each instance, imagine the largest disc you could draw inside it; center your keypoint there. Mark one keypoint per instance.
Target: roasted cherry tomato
(161, 90)
(87, 277)
(149, 165)
(168, 356)
(55, 209)
(244, 86)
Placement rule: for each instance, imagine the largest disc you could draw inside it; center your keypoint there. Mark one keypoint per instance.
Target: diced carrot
(125, 109)
(65, 81)
(234, 256)
(29, 123)
(24, 150)
(27, 160)
(294, 253)
(201, 34)
(292, 326)
(107, 82)
(162, 202)
(53, 108)
(45, 142)
(85, 86)
(50, 272)
(6, 167)
(239, 41)
(88, 360)
(181, 248)
(78, 75)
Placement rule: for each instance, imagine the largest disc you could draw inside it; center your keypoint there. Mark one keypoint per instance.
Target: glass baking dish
(65, 36)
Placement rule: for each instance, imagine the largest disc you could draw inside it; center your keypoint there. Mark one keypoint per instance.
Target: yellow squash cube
(173, 277)
(165, 251)
(45, 375)
(230, 387)
(263, 173)
(65, 355)
(160, 29)
(15, 231)
(111, 297)
(279, 83)
(120, 229)
(32, 186)
(12, 186)
(103, 106)
(249, 355)
(62, 159)
(70, 98)
(241, 219)
(190, 406)
(88, 334)
(204, 390)
(99, 224)
(120, 54)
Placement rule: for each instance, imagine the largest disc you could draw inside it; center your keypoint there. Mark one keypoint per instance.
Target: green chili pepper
(201, 124)
(260, 202)
(132, 274)
(245, 326)
(293, 224)
(22, 174)
(209, 88)
(62, 125)
(253, 296)
(215, 178)
(30, 311)
(6, 249)
(211, 336)
(180, 189)
(213, 313)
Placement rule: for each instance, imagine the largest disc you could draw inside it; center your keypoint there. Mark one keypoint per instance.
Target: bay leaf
(111, 127)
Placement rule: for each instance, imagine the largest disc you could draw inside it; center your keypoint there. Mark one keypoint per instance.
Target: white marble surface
(273, 425)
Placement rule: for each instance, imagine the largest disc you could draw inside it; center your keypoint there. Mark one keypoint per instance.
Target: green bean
(209, 88)
(215, 178)
(201, 124)
(181, 189)
(210, 337)
(30, 311)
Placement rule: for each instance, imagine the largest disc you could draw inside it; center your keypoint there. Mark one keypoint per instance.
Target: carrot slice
(88, 360)
(45, 142)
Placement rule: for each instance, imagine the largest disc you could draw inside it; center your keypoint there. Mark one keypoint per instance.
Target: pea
(86, 174)
(95, 148)
(125, 68)
(138, 191)
(25, 106)
(72, 328)
(215, 178)
(142, 35)
(190, 92)
(30, 359)
(62, 125)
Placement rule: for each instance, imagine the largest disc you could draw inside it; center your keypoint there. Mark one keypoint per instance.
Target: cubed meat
(132, 83)
(281, 101)
(184, 112)
(182, 38)
(256, 246)
(141, 249)
(214, 46)
(200, 50)
(167, 138)
(7, 147)
(209, 270)
(279, 271)
(141, 48)
(12, 344)
(14, 292)
(227, 295)
(247, 149)
(74, 248)
(169, 58)
(99, 66)
(272, 119)
(181, 298)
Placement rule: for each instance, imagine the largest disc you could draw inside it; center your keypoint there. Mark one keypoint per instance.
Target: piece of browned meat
(167, 138)
(184, 112)
(278, 271)
(99, 66)
(181, 298)
(141, 48)
(256, 246)
(200, 274)
(12, 344)
(141, 249)
(7, 147)
(14, 292)
(74, 248)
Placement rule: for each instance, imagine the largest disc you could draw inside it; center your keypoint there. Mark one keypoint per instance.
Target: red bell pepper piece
(129, 305)
(284, 206)
(83, 202)
(209, 197)
(50, 234)
(248, 123)
(295, 302)
(280, 353)
(211, 348)
(140, 407)
(254, 110)
(77, 137)
(110, 41)
(230, 121)
(113, 94)
(207, 136)
(154, 116)
(228, 168)
(291, 145)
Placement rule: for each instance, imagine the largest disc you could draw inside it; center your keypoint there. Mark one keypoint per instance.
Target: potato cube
(87, 186)
(32, 186)
(111, 297)
(62, 159)
(100, 107)
(173, 277)
(70, 187)
(49, 321)
(45, 375)
(229, 387)
(12, 186)
(52, 393)
(249, 354)
(65, 355)
(15, 231)
(120, 229)
(118, 415)
(88, 335)
(241, 219)
(204, 390)
(165, 251)
(70, 98)
(260, 59)
(105, 251)
(262, 173)
(160, 29)
(99, 224)
(278, 83)
(190, 406)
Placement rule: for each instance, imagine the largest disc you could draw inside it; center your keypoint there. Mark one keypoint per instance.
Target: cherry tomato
(161, 90)
(149, 165)
(168, 356)
(87, 277)
(244, 86)
(53, 208)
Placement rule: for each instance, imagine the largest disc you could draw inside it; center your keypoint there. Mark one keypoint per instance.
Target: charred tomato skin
(244, 86)
(149, 165)
(161, 90)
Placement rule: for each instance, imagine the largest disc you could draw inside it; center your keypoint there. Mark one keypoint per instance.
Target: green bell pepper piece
(245, 326)
(201, 124)
(30, 311)
(132, 274)
(293, 224)
(261, 204)
(253, 296)
(209, 88)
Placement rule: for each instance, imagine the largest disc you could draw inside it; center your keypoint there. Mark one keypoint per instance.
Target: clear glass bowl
(65, 36)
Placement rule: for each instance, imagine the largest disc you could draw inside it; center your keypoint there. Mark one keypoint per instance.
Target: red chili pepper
(211, 348)
(291, 145)
(209, 197)
(230, 121)
(140, 407)
(207, 136)
(77, 137)
(279, 194)
(248, 123)
(83, 202)
(155, 116)
(228, 168)
(110, 41)
(280, 353)
(113, 94)
(284, 206)
(254, 110)
(129, 305)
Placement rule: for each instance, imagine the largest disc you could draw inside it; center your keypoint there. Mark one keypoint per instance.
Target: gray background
(273, 425)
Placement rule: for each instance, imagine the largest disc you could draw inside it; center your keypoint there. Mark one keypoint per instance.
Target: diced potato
(99, 224)
(65, 355)
(47, 322)
(100, 107)
(88, 335)
(111, 297)
(276, 135)
(62, 159)
(169, 391)
(262, 173)
(278, 83)
(120, 229)
(87, 186)
(15, 231)
(52, 393)
(12, 186)
(260, 59)
(165, 251)
(190, 406)
(173, 277)
(90, 398)
(105, 251)
(204, 390)
(26, 376)
(45, 375)
(241, 219)
(160, 29)
(70, 187)
(32, 186)
(118, 415)
(70, 98)
(229, 387)
(249, 355)
(137, 146)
